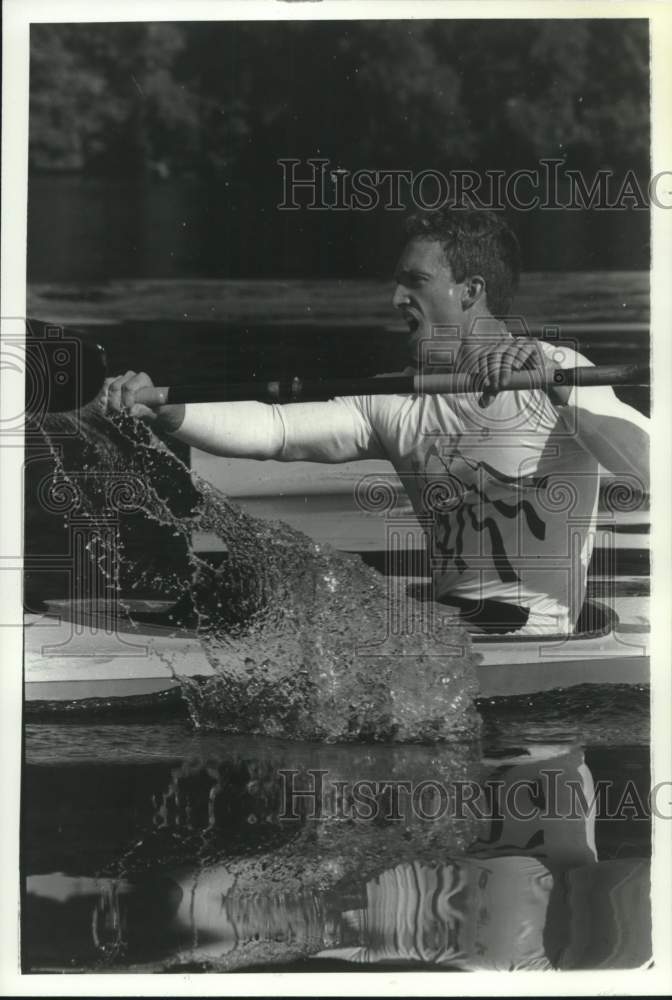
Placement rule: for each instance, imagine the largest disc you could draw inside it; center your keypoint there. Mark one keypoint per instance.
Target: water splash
(299, 635)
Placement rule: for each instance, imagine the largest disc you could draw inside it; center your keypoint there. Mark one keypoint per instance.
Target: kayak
(73, 655)
(71, 660)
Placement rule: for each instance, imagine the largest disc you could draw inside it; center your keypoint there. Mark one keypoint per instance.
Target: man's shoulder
(379, 407)
(560, 354)
(380, 413)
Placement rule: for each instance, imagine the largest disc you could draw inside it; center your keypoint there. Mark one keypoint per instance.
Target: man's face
(426, 294)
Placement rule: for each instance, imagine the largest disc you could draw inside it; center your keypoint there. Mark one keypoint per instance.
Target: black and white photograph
(335, 441)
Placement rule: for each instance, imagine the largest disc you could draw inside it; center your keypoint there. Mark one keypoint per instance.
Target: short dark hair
(475, 241)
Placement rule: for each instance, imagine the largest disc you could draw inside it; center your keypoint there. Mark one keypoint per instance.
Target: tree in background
(105, 98)
(161, 140)
(228, 99)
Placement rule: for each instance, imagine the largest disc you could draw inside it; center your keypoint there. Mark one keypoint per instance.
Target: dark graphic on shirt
(469, 500)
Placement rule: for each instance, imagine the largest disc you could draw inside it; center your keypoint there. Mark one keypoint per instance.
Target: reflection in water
(224, 880)
(505, 913)
(469, 914)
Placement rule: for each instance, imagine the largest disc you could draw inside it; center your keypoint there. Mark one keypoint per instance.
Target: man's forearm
(334, 431)
(234, 430)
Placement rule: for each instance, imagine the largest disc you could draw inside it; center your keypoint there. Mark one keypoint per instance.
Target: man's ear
(473, 290)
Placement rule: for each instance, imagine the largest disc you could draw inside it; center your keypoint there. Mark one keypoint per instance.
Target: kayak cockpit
(596, 619)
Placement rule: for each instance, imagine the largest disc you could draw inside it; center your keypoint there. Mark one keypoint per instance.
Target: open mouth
(412, 322)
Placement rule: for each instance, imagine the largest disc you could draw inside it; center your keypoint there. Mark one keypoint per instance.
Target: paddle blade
(64, 371)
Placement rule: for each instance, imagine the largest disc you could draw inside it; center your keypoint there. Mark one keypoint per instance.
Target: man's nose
(400, 297)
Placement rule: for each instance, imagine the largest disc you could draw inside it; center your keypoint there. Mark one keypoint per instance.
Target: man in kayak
(504, 483)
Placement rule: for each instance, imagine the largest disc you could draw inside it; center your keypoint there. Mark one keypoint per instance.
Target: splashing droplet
(303, 640)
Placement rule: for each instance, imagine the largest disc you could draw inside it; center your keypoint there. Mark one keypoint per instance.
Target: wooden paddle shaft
(298, 390)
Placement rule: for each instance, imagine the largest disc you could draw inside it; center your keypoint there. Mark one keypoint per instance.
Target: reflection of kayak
(472, 914)
(70, 657)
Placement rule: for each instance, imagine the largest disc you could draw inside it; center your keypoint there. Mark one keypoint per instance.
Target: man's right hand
(119, 396)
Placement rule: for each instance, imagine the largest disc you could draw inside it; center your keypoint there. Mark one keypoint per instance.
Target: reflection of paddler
(471, 913)
(540, 801)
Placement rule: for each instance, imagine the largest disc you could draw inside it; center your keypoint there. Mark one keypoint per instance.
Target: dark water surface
(90, 229)
(152, 846)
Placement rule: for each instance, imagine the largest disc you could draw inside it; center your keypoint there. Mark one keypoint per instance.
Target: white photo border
(17, 17)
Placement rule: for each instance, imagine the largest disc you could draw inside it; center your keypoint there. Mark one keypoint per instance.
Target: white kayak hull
(70, 658)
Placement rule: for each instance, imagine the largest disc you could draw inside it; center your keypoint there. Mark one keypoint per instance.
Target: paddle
(298, 390)
(65, 371)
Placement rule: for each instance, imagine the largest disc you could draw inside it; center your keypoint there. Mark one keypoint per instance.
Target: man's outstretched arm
(335, 431)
